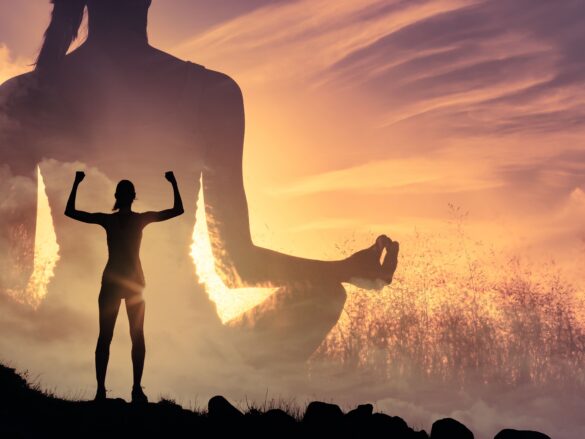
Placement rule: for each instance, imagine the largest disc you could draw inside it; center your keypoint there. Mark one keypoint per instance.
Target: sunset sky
(362, 117)
(374, 115)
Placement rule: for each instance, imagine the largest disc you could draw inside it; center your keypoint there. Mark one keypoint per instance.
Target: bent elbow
(176, 210)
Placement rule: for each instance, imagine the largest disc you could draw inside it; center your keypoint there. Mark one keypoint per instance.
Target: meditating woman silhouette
(118, 104)
(123, 277)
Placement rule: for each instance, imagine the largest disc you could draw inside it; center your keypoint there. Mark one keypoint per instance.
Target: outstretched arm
(79, 215)
(167, 214)
(238, 260)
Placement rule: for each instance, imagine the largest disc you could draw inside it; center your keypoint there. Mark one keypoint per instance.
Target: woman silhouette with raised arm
(132, 106)
(123, 277)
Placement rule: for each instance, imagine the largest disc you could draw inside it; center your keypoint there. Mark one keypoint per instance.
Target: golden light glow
(46, 247)
(46, 251)
(230, 303)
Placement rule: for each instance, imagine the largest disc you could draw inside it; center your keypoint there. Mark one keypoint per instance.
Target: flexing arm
(167, 214)
(238, 260)
(79, 215)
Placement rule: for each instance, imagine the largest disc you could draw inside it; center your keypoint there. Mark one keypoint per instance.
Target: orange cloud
(401, 176)
(10, 67)
(297, 40)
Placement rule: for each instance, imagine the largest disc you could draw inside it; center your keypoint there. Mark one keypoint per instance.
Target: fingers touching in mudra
(374, 267)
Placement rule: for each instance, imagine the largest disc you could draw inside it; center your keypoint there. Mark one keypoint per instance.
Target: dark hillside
(27, 412)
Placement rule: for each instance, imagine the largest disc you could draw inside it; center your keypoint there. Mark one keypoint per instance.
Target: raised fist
(170, 176)
(79, 176)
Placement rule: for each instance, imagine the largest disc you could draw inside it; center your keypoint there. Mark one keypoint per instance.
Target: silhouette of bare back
(123, 277)
(119, 105)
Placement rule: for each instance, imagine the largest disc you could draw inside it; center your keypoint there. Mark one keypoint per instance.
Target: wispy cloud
(10, 66)
(492, 67)
(297, 40)
(398, 176)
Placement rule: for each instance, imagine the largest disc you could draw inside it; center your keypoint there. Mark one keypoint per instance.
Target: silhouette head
(108, 18)
(125, 194)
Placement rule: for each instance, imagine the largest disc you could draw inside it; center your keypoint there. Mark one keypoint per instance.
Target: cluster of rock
(328, 420)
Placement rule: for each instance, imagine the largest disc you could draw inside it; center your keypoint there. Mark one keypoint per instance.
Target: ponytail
(65, 22)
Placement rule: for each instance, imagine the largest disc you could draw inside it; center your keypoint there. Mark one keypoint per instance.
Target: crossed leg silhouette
(289, 325)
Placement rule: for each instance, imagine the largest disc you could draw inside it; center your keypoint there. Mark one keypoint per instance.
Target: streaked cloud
(300, 39)
(398, 175)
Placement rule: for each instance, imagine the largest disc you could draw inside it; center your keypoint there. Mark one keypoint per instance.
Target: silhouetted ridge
(27, 412)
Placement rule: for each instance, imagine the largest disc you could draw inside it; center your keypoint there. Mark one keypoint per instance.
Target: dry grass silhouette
(462, 314)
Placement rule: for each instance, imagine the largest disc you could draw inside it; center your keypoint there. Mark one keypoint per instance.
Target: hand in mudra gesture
(365, 269)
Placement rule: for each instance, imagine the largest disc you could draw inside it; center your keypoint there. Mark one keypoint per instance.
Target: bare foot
(138, 396)
(100, 395)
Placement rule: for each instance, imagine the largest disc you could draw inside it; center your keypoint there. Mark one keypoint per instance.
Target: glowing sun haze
(362, 117)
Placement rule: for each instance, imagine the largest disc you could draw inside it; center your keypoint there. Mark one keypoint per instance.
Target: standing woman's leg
(135, 308)
(109, 304)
